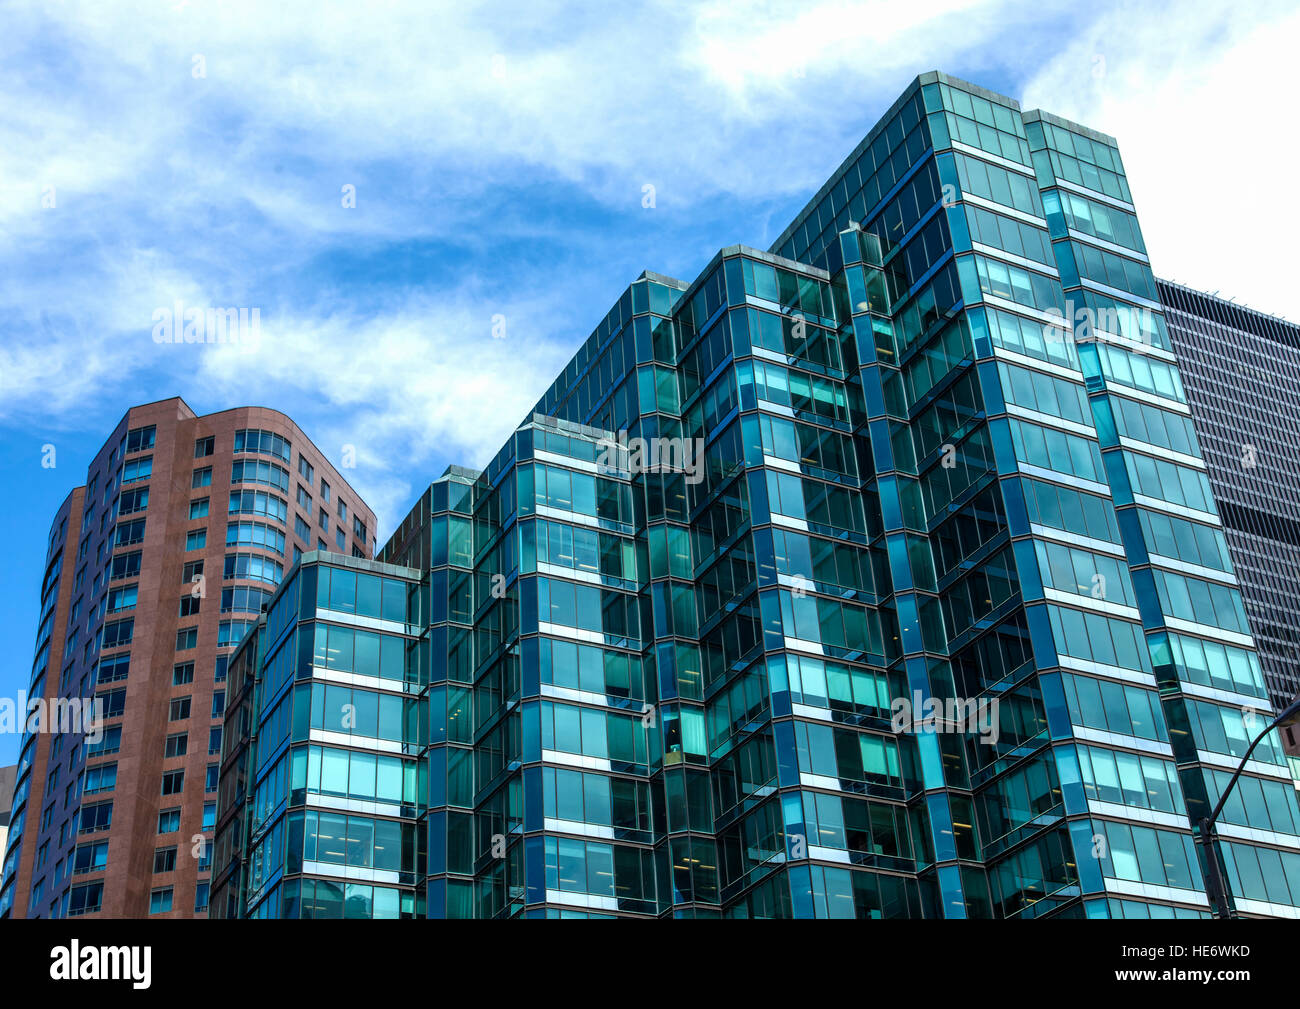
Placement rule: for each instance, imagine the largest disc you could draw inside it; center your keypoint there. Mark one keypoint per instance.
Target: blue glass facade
(318, 785)
(875, 575)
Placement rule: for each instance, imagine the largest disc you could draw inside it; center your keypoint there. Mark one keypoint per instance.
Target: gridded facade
(319, 772)
(1241, 372)
(156, 568)
(930, 447)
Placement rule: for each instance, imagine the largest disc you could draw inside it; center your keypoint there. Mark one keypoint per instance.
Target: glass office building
(874, 575)
(318, 786)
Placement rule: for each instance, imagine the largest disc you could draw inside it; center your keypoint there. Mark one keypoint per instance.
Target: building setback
(1241, 374)
(929, 448)
(155, 569)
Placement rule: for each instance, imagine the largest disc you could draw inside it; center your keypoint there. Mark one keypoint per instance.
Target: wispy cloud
(199, 151)
(427, 376)
(1201, 107)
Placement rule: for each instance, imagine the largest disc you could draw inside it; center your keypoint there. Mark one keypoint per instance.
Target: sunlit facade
(929, 448)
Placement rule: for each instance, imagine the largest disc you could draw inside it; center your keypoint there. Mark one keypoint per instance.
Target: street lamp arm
(1223, 797)
(1215, 889)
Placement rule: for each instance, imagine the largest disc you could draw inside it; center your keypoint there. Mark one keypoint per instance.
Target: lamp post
(1216, 890)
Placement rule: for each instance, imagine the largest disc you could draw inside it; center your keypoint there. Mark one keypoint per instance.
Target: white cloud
(427, 378)
(225, 189)
(607, 97)
(760, 50)
(1202, 107)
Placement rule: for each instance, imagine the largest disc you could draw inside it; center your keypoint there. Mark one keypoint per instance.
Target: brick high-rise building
(149, 585)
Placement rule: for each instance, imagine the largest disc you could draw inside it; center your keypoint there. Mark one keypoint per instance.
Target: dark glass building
(875, 575)
(1241, 374)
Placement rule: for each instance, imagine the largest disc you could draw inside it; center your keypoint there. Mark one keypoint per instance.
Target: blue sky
(199, 151)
